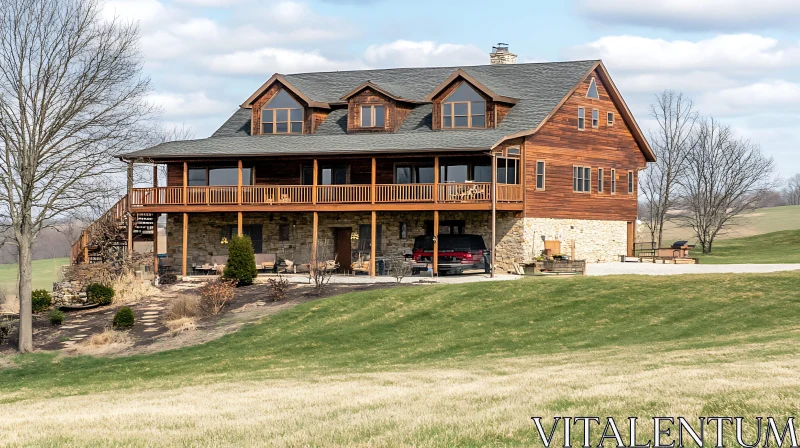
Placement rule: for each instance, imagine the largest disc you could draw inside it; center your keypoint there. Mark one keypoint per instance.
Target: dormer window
(282, 115)
(464, 108)
(373, 116)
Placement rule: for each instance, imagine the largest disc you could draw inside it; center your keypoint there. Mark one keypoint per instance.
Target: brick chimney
(501, 55)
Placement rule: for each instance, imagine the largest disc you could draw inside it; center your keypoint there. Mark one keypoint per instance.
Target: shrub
(4, 330)
(99, 293)
(128, 288)
(241, 261)
(215, 295)
(183, 305)
(56, 317)
(41, 300)
(181, 325)
(123, 318)
(167, 279)
(277, 288)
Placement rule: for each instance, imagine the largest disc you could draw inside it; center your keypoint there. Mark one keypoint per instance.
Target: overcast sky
(738, 59)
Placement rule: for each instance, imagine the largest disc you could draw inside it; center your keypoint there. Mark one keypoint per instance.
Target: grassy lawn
(764, 220)
(45, 272)
(456, 365)
(775, 247)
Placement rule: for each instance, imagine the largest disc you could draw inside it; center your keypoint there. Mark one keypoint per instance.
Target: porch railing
(467, 192)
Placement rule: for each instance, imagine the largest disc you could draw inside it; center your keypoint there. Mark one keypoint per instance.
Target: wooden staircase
(87, 250)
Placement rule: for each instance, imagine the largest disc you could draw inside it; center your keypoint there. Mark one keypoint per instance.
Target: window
(581, 179)
(413, 174)
(403, 231)
(307, 175)
(251, 230)
(482, 173)
(507, 170)
(613, 181)
(592, 92)
(365, 237)
(447, 227)
(595, 118)
(283, 232)
(540, 175)
(453, 173)
(402, 175)
(373, 116)
(333, 175)
(610, 119)
(600, 180)
(630, 182)
(201, 177)
(282, 115)
(581, 118)
(464, 108)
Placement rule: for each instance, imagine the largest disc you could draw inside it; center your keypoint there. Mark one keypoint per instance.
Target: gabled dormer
(278, 108)
(462, 102)
(372, 108)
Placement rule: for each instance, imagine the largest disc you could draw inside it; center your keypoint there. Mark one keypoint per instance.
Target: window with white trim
(592, 92)
(540, 175)
(464, 108)
(581, 179)
(630, 182)
(600, 173)
(613, 181)
(610, 119)
(373, 116)
(581, 118)
(282, 115)
(595, 118)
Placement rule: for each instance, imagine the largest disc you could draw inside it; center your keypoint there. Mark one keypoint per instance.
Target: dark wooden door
(343, 248)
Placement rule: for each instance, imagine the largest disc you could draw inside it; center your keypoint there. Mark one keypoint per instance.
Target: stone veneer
(518, 239)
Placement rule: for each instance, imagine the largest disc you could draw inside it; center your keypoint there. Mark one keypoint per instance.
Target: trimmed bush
(123, 318)
(99, 293)
(167, 279)
(56, 317)
(41, 300)
(215, 295)
(241, 265)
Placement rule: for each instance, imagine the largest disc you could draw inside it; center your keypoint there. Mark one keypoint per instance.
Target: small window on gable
(464, 108)
(282, 115)
(610, 119)
(581, 118)
(373, 116)
(592, 93)
(595, 118)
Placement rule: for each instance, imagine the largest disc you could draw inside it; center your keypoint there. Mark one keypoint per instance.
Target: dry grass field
(460, 365)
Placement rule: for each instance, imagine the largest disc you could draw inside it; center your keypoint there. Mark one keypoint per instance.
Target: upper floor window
(464, 108)
(600, 173)
(373, 116)
(282, 115)
(581, 179)
(630, 182)
(581, 118)
(202, 176)
(610, 118)
(595, 118)
(592, 93)
(540, 175)
(613, 181)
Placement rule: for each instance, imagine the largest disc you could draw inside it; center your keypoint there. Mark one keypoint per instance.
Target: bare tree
(71, 98)
(791, 193)
(323, 265)
(724, 178)
(671, 142)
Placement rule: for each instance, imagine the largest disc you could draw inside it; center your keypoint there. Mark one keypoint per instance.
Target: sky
(738, 59)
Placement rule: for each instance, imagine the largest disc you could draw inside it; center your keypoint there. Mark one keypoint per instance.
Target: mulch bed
(149, 314)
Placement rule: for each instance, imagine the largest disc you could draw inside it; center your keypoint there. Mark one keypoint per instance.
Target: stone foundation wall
(595, 241)
(207, 229)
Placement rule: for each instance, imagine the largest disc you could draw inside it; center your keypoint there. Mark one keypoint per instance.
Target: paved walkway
(677, 269)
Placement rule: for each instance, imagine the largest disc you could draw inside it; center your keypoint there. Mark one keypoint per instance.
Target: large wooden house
(519, 153)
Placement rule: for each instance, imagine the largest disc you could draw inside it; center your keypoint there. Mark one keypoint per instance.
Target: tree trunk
(24, 291)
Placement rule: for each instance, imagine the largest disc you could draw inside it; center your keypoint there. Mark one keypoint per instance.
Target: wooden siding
(495, 111)
(311, 117)
(367, 97)
(561, 146)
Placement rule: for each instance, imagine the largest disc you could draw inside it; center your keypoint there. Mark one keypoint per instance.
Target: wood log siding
(491, 122)
(395, 112)
(311, 117)
(561, 145)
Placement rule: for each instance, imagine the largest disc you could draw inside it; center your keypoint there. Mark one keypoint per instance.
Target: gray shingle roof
(539, 88)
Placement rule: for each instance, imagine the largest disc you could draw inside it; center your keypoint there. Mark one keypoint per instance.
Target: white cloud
(690, 82)
(210, 2)
(266, 61)
(777, 96)
(695, 14)
(194, 104)
(404, 53)
(149, 13)
(744, 52)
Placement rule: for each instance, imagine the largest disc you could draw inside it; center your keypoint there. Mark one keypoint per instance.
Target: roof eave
(248, 103)
(469, 78)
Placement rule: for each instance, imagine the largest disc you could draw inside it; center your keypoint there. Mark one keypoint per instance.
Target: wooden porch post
(631, 237)
(314, 241)
(185, 183)
(372, 187)
(239, 191)
(314, 189)
(130, 215)
(185, 242)
(494, 211)
(372, 244)
(155, 244)
(239, 224)
(436, 242)
(85, 237)
(436, 179)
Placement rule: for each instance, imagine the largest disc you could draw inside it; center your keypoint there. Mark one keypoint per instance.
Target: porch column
(185, 243)
(372, 242)
(372, 187)
(631, 237)
(128, 206)
(239, 193)
(436, 242)
(155, 175)
(155, 244)
(494, 211)
(85, 237)
(436, 179)
(239, 224)
(314, 190)
(314, 241)
(185, 184)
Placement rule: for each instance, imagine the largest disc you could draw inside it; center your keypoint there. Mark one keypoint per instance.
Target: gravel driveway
(674, 269)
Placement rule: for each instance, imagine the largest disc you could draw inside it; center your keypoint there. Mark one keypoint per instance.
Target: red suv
(457, 253)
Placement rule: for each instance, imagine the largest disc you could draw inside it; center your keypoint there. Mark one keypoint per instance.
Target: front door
(341, 243)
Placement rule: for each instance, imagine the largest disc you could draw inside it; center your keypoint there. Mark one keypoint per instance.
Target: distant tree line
(704, 175)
